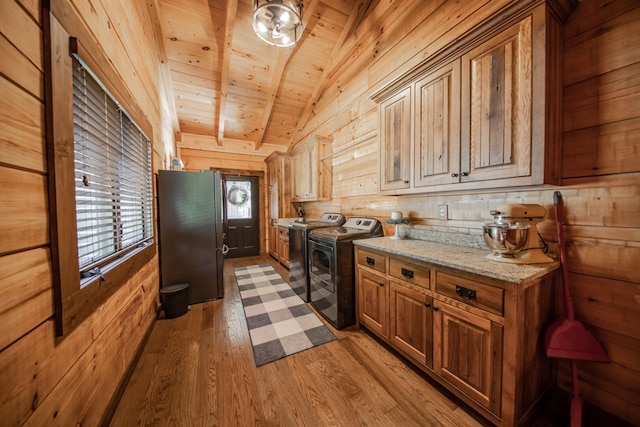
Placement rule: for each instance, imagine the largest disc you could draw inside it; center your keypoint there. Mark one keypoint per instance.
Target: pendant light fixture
(278, 22)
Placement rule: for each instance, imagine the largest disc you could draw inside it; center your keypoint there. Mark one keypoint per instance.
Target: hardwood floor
(198, 370)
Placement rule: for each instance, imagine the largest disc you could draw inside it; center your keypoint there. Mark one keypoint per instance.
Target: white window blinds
(113, 174)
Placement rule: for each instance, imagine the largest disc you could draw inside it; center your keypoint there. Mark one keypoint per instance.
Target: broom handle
(568, 303)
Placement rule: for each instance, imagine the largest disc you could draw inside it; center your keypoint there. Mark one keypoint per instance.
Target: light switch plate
(443, 212)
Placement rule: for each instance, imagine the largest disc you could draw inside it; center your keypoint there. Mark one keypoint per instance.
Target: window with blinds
(113, 175)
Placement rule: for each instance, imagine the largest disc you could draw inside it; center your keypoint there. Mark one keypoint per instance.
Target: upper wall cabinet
(395, 130)
(311, 170)
(478, 114)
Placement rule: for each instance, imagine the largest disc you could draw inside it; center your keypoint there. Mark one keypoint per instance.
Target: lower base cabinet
(479, 337)
(283, 246)
(411, 322)
(469, 354)
(372, 305)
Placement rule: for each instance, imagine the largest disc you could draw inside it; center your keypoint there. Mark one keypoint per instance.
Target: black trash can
(175, 300)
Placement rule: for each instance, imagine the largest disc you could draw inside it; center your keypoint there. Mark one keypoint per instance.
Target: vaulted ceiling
(226, 85)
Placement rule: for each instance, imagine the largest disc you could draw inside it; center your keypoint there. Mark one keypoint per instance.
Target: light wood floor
(198, 370)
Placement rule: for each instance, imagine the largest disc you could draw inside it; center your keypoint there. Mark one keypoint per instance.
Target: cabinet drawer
(480, 295)
(372, 260)
(409, 272)
(284, 233)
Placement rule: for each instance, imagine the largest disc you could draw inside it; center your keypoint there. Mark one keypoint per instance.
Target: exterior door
(242, 215)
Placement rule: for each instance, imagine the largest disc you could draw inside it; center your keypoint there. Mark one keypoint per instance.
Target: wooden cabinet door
(272, 172)
(437, 127)
(295, 177)
(395, 141)
(496, 106)
(411, 321)
(468, 354)
(273, 219)
(372, 303)
(302, 173)
(274, 241)
(310, 173)
(274, 203)
(283, 248)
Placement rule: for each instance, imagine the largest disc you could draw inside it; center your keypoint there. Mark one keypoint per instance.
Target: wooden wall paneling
(451, 21)
(118, 43)
(591, 13)
(23, 32)
(33, 366)
(26, 293)
(94, 30)
(21, 128)
(208, 143)
(604, 258)
(601, 150)
(23, 209)
(200, 162)
(607, 304)
(619, 41)
(610, 97)
(75, 367)
(17, 68)
(363, 124)
(592, 389)
(33, 8)
(613, 205)
(250, 159)
(23, 275)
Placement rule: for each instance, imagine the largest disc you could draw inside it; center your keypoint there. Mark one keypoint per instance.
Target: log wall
(600, 163)
(45, 380)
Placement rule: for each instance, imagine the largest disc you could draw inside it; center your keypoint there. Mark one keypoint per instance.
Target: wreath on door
(237, 196)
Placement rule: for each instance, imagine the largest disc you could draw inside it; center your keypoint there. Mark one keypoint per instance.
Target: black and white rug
(279, 322)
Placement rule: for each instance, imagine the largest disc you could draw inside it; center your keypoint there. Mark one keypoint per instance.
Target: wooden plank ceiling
(228, 85)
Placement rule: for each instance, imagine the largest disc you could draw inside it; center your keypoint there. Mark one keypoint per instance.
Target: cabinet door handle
(465, 293)
(407, 273)
(436, 308)
(381, 284)
(454, 175)
(465, 173)
(406, 181)
(371, 261)
(427, 304)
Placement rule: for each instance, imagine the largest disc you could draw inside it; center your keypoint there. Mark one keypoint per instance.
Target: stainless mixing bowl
(505, 239)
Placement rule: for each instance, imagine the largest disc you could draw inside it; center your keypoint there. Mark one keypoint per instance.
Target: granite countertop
(285, 222)
(469, 259)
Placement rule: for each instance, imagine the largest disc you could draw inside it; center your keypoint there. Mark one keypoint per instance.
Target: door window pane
(238, 199)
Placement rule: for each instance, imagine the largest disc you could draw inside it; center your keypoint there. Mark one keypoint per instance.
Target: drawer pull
(371, 261)
(407, 273)
(465, 293)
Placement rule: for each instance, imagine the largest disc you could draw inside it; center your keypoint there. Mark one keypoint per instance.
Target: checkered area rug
(280, 323)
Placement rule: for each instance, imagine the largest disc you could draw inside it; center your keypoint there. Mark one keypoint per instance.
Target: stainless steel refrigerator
(190, 217)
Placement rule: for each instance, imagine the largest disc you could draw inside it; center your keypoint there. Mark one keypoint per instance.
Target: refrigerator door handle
(225, 249)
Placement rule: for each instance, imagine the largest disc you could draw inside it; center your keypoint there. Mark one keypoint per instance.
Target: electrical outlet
(443, 212)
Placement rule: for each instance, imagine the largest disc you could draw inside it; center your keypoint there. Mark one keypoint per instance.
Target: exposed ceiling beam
(279, 69)
(232, 7)
(153, 7)
(358, 11)
(276, 78)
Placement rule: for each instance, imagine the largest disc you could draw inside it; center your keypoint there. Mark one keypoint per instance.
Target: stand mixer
(513, 236)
